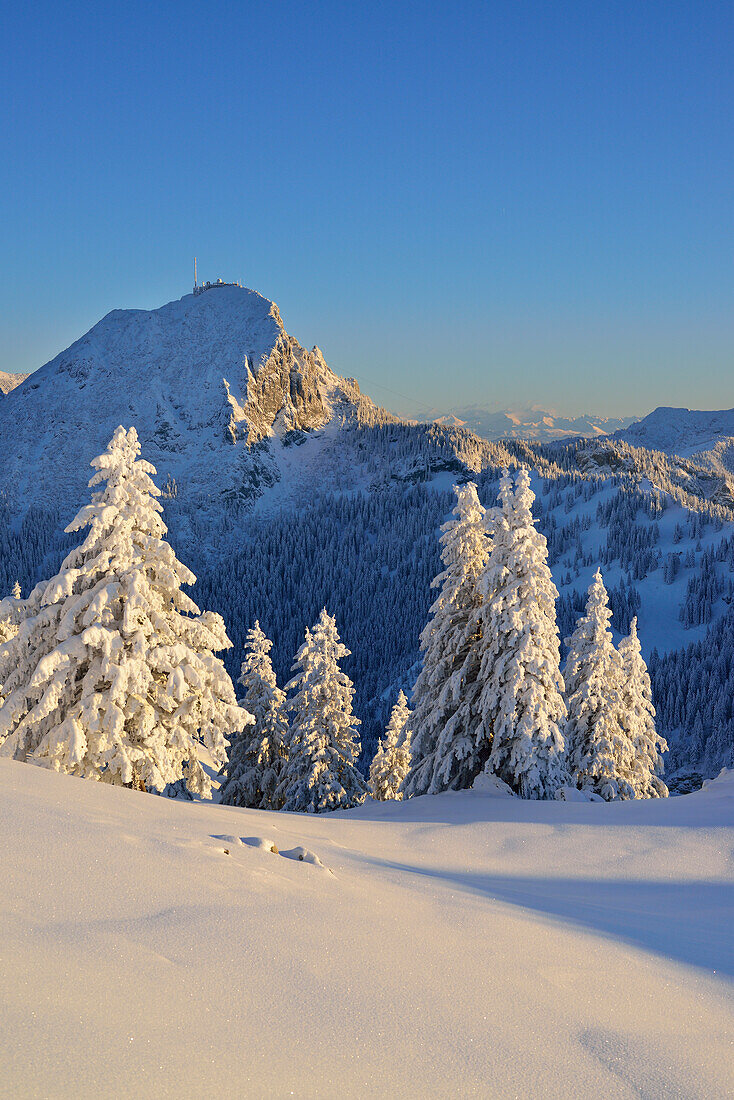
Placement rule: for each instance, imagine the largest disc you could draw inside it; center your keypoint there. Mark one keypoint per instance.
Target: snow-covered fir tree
(638, 718)
(323, 743)
(599, 752)
(257, 756)
(391, 763)
(522, 708)
(443, 723)
(112, 674)
(11, 611)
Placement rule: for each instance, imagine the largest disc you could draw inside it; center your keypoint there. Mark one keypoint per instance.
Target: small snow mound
(261, 843)
(722, 784)
(228, 839)
(491, 784)
(305, 855)
(573, 794)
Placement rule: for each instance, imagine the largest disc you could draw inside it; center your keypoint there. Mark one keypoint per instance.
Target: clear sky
(460, 202)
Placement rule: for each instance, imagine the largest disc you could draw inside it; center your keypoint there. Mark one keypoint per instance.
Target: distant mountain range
(8, 382)
(531, 423)
(685, 432)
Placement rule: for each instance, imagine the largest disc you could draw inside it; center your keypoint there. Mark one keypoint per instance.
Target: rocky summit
(211, 382)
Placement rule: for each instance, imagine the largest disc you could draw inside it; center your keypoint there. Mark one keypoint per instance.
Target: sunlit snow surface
(458, 945)
(8, 382)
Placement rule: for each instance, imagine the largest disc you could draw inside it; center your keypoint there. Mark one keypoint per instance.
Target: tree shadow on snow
(690, 922)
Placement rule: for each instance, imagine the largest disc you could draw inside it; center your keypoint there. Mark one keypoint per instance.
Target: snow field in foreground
(462, 945)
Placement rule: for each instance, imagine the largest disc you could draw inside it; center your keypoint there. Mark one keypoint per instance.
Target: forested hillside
(360, 537)
(287, 490)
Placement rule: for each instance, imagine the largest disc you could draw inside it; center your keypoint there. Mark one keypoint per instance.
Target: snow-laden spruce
(112, 674)
(11, 612)
(638, 718)
(391, 762)
(257, 756)
(323, 743)
(522, 708)
(443, 723)
(599, 752)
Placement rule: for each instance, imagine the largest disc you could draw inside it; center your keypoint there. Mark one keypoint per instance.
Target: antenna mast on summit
(195, 284)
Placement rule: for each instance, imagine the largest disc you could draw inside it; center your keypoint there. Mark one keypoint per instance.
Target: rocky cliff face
(213, 383)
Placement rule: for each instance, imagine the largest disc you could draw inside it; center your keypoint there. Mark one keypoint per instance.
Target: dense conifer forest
(366, 547)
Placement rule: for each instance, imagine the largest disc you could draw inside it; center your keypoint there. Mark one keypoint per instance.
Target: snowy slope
(683, 432)
(459, 945)
(8, 382)
(658, 614)
(201, 379)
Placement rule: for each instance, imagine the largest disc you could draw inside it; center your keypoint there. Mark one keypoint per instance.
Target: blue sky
(495, 203)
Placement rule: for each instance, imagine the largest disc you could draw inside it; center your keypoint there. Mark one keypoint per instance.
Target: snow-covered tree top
(402, 701)
(322, 639)
(257, 667)
(593, 625)
(257, 642)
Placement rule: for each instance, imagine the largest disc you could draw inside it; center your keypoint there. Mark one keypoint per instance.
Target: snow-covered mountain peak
(204, 379)
(680, 431)
(8, 382)
(222, 330)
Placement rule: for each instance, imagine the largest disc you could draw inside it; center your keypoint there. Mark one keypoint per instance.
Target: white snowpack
(452, 945)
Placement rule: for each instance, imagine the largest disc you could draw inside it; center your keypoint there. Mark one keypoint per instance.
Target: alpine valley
(286, 490)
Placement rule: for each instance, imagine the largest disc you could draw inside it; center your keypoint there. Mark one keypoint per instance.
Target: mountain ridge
(208, 380)
(680, 431)
(532, 423)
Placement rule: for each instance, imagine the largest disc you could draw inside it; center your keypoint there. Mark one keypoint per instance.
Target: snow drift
(459, 944)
